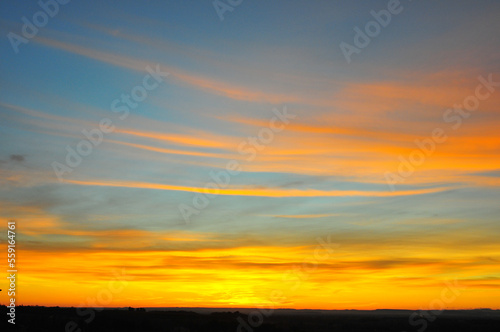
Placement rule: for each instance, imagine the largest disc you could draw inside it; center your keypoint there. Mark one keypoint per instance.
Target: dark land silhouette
(53, 319)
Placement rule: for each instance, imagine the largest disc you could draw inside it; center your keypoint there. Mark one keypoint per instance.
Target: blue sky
(324, 173)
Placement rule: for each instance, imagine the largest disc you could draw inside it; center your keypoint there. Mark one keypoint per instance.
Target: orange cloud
(345, 277)
(259, 192)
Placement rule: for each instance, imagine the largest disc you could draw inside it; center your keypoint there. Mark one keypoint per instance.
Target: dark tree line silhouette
(54, 319)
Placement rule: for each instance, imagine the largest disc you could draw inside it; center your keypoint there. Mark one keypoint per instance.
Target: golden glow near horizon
(161, 157)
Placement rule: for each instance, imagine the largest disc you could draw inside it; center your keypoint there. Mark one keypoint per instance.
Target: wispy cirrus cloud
(260, 192)
(218, 87)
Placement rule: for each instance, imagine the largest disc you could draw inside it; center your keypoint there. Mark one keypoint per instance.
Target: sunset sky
(324, 204)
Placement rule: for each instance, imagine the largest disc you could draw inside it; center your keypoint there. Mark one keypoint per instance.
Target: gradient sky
(323, 176)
